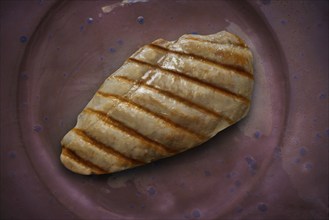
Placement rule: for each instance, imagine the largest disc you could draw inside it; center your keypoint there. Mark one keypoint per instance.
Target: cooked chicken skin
(168, 97)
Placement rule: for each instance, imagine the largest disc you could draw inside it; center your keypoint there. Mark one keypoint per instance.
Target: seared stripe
(181, 100)
(194, 80)
(105, 148)
(235, 69)
(73, 156)
(113, 122)
(154, 114)
(241, 45)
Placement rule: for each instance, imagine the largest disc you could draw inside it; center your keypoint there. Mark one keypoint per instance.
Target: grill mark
(160, 148)
(195, 80)
(241, 45)
(182, 100)
(73, 156)
(106, 148)
(166, 120)
(235, 69)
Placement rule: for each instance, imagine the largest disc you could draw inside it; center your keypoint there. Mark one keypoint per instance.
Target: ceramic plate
(78, 44)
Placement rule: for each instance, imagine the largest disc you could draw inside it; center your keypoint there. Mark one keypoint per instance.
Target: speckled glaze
(271, 165)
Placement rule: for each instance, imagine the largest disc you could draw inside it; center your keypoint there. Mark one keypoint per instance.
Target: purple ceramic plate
(270, 165)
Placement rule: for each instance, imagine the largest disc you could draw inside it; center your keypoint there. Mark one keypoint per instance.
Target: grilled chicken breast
(168, 97)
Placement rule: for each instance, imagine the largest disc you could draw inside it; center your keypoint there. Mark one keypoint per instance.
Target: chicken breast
(168, 97)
